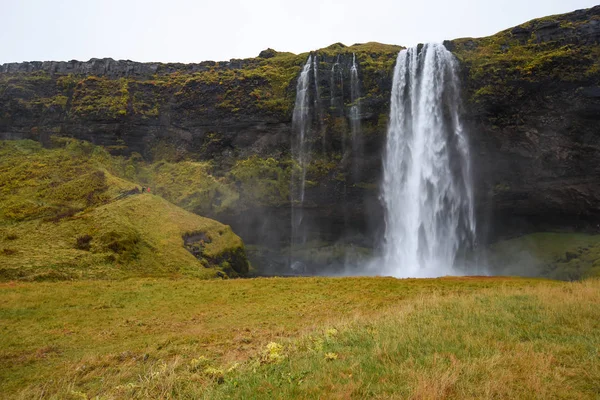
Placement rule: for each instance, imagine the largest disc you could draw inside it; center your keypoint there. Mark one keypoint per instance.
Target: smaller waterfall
(317, 103)
(337, 86)
(332, 84)
(301, 121)
(357, 147)
(315, 67)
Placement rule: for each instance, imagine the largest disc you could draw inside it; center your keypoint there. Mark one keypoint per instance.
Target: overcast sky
(193, 31)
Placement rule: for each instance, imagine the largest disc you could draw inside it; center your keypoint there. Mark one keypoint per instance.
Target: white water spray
(426, 188)
(357, 149)
(336, 78)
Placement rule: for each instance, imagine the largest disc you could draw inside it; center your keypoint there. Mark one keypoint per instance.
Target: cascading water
(315, 67)
(336, 85)
(426, 188)
(317, 103)
(355, 120)
(300, 152)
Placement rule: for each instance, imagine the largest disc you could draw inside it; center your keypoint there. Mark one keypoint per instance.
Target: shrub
(83, 242)
(9, 252)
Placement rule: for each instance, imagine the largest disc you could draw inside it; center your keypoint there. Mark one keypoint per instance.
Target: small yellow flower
(214, 373)
(331, 333)
(273, 353)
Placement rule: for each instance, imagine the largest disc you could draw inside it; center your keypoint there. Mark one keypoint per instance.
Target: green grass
(301, 338)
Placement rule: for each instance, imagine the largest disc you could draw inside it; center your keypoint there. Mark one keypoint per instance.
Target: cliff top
(580, 26)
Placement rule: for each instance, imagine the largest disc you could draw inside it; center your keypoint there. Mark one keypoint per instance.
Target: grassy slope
(565, 256)
(50, 198)
(334, 338)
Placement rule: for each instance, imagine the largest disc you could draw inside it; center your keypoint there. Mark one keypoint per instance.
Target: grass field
(300, 338)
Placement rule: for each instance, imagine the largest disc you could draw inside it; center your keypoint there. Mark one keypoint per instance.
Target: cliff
(218, 134)
(533, 103)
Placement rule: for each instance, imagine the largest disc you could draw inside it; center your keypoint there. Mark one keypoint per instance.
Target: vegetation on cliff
(264, 85)
(118, 316)
(506, 67)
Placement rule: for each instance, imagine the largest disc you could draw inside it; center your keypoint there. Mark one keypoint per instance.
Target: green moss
(145, 100)
(262, 181)
(101, 97)
(325, 254)
(190, 185)
(263, 85)
(193, 185)
(500, 65)
(320, 168)
(501, 187)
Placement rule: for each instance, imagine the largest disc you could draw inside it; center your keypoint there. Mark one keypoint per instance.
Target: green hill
(63, 215)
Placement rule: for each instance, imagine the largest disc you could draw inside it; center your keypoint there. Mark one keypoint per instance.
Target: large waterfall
(426, 187)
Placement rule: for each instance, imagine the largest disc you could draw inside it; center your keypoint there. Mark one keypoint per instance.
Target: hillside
(63, 215)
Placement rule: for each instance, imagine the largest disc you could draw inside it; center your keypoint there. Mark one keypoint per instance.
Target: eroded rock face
(531, 102)
(540, 170)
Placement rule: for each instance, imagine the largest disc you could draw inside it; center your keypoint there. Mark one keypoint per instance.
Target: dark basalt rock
(113, 68)
(591, 92)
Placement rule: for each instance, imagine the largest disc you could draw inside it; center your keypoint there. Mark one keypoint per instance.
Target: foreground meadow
(300, 338)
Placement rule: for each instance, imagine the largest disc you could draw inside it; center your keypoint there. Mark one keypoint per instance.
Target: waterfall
(317, 102)
(355, 120)
(426, 189)
(300, 152)
(317, 89)
(335, 81)
(332, 83)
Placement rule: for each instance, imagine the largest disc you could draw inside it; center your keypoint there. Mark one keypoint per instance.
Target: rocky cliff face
(532, 102)
(534, 106)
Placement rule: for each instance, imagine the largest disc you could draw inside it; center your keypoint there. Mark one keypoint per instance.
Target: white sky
(193, 31)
